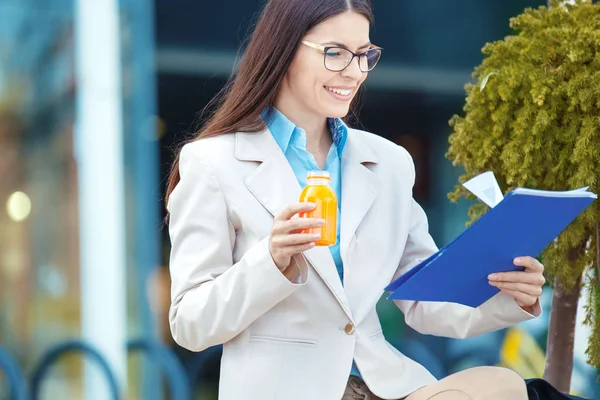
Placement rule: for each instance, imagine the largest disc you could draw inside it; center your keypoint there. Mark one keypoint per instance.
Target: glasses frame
(325, 49)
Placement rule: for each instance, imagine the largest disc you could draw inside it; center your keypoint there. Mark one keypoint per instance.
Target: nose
(353, 70)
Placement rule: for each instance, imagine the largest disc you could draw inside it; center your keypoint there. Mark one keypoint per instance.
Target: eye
(333, 53)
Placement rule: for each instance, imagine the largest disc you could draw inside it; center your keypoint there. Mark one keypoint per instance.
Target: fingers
(296, 224)
(524, 286)
(288, 236)
(294, 239)
(532, 275)
(521, 298)
(519, 276)
(519, 287)
(292, 250)
(286, 223)
(283, 247)
(530, 264)
(294, 209)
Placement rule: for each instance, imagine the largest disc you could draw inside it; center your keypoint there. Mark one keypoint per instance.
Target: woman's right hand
(286, 239)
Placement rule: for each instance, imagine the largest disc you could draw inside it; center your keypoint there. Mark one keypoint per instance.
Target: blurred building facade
(40, 263)
(38, 226)
(175, 57)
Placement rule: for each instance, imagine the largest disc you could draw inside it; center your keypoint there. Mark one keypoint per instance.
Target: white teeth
(343, 92)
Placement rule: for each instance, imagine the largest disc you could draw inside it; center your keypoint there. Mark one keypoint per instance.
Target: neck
(315, 126)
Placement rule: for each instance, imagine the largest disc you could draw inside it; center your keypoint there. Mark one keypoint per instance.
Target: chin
(339, 111)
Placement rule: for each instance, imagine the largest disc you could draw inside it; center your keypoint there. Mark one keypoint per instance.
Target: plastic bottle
(318, 190)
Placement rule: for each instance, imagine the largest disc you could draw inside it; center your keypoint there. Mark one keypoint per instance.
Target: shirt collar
(283, 129)
(339, 134)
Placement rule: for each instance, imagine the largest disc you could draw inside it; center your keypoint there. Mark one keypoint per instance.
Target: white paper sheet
(486, 188)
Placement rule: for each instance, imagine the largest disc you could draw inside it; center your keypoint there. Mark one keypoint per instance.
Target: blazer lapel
(359, 187)
(274, 184)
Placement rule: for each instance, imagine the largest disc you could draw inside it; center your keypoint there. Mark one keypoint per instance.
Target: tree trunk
(561, 335)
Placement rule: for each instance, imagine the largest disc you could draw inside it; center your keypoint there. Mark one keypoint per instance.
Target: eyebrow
(336, 44)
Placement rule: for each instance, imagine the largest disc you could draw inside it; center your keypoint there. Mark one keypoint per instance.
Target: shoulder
(210, 147)
(386, 151)
(211, 151)
(380, 145)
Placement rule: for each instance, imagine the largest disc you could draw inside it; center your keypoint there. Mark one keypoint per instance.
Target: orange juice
(318, 191)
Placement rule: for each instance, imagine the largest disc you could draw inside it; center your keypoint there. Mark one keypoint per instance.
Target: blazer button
(349, 329)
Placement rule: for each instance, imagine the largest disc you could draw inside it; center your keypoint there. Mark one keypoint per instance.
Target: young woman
(299, 321)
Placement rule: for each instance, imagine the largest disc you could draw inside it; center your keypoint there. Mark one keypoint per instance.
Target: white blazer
(285, 340)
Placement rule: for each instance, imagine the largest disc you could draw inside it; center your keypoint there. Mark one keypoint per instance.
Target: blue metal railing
(197, 365)
(56, 352)
(12, 373)
(179, 385)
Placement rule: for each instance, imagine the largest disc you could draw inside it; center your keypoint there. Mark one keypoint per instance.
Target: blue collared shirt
(292, 141)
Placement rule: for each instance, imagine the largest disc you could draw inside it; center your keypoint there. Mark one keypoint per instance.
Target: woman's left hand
(524, 286)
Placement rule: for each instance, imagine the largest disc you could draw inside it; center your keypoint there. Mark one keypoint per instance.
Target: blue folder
(522, 224)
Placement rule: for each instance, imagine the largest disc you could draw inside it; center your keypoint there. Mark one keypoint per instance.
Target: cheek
(302, 78)
(325, 78)
(309, 83)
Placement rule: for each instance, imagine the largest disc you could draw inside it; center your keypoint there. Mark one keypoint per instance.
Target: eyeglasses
(337, 59)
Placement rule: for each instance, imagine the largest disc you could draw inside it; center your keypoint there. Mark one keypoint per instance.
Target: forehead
(349, 28)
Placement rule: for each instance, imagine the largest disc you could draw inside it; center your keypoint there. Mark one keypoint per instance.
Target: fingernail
(493, 277)
(517, 261)
(317, 236)
(322, 221)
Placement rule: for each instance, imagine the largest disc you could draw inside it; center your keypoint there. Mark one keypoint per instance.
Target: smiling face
(312, 90)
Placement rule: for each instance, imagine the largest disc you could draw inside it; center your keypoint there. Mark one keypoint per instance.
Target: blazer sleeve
(213, 299)
(449, 319)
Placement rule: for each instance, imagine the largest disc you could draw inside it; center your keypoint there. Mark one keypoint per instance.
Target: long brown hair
(280, 28)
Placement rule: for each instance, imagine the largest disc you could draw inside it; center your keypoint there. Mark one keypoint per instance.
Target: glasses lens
(337, 58)
(369, 60)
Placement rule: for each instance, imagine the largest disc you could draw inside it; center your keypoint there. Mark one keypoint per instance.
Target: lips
(340, 91)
